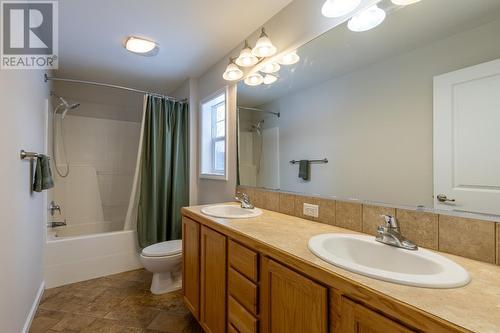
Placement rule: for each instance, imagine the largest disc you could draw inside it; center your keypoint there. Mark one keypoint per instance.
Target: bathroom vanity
(257, 275)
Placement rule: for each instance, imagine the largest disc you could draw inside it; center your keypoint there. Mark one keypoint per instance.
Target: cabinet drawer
(243, 260)
(240, 318)
(243, 290)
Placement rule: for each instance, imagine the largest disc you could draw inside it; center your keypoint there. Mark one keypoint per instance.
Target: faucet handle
(390, 221)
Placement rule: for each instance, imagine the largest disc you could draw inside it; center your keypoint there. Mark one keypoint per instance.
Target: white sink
(363, 255)
(231, 211)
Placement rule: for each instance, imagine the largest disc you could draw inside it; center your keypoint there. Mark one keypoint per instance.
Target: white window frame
(203, 140)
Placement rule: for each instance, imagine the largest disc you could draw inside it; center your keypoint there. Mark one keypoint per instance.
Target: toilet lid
(163, 249)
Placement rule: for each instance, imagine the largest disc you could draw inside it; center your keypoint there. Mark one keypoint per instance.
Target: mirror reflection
(354, 117)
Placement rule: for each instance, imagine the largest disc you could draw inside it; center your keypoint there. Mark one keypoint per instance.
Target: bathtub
(77, 258)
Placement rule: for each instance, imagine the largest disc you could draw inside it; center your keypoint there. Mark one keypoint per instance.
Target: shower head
(66, 106)
(257, 127)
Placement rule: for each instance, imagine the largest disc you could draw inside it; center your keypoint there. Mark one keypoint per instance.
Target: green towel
(43, 175)
(304, 169)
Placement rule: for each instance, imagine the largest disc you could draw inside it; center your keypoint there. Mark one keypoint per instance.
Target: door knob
(444, 198)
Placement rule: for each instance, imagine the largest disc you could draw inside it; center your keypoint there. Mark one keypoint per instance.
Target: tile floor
(120, 303)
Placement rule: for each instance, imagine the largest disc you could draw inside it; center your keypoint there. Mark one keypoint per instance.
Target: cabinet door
(213, 281)
(191, 265)
(358, 319)
(290, 302)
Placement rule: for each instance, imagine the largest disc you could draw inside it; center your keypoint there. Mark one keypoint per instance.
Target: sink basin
(363, 255)
(231, 211)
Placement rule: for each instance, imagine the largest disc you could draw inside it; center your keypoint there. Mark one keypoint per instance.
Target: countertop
(475, 307)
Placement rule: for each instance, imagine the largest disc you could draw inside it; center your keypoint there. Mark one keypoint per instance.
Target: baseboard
(34, 307)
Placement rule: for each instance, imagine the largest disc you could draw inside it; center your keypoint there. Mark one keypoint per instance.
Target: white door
(467, 139)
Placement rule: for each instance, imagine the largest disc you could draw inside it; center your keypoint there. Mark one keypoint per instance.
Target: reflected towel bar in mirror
(310, 161)
(27, 154)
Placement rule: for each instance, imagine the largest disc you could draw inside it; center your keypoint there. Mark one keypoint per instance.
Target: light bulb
(270, 79)
(404, 2)
(367, 19)
(264, 47)
(290, 58)
(254, 79)
(140, 45)
(271, 67)
(246, 58)
(232, 72)
(338, 8)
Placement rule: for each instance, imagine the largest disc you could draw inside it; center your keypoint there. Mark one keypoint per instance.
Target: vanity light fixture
(290, 58)
(246, 58)
(270, 79)
(338, 8)
(367, 19)
(254, 79)
(141, 46)
(271, 67)
(233, 72)
(404, 2)
(264, 47)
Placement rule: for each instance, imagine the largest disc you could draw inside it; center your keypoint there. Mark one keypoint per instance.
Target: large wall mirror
(361, 107)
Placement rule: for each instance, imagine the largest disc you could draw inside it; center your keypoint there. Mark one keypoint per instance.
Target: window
(213, 137)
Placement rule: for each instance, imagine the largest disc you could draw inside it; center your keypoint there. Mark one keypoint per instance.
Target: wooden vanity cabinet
(356, 318)
(291, 302)
(204, 275)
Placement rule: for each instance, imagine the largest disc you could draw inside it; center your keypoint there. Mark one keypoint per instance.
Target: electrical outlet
(311, 210)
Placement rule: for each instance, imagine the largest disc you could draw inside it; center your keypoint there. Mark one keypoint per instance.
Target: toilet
(164, 261)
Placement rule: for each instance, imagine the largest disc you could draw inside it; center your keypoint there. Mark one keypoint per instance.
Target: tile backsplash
(467, 237)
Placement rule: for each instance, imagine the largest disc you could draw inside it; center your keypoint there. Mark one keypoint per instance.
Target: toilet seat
(163, 249)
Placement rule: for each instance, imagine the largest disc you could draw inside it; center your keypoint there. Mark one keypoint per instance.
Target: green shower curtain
(164, 179)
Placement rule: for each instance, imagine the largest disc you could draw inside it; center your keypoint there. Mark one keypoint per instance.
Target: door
(213, 281)
(356, 318)
(191, 265)
(467, 139)
(290, 302)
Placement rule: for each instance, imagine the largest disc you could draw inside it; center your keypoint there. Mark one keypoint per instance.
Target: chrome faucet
(53, 207)
(390, 234)
(244, 200)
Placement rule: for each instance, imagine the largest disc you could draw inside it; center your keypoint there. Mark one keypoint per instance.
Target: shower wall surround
(102, 155)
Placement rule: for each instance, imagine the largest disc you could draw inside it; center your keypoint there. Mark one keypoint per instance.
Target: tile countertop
(475, 307)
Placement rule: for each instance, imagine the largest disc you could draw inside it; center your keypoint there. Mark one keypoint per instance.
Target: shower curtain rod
(51, 78)
(277, 114)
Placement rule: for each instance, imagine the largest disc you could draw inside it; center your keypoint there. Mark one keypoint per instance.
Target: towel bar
(27, 154)
(311, 161)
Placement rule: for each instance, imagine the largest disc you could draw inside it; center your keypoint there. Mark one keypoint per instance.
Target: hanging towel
(304, 169)
(43, 175)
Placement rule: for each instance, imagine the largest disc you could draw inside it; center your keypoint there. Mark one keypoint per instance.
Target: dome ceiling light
(254, 79)
(264, 47)
(246, 57)
(367, 19)
(141, 46)
(233, 72)
(339, 8)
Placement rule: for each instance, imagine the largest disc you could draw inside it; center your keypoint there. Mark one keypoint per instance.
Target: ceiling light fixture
(271, 67)
(264, 47)
(270, 79)
(367, 19)
(290, 58)
(338, 8)
(254, 79)
(246, 58)
(232, 72)
(404, 2)
(141, 46)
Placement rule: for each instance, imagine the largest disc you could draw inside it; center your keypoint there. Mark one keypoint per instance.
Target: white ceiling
(340, 51)
(193, 35)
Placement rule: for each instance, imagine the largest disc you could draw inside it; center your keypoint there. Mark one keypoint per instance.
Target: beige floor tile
(73, 322)
(171, 323)
(133, 315)
(42, 324)
(110, 326)
(171, 302)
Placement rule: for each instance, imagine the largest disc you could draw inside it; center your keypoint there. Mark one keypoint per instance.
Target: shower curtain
(161, 183)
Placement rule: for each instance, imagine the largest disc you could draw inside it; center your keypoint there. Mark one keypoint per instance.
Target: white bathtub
(79, 258)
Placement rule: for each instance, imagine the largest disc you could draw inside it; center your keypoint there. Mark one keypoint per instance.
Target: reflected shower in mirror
(364, 101)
